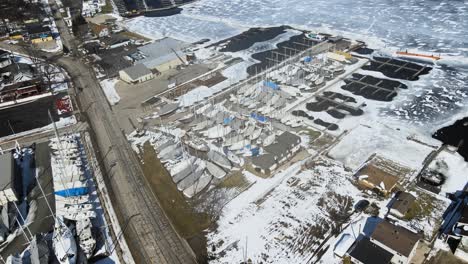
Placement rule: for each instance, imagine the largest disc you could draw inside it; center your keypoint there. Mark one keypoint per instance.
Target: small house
(381, 175)
(39, 33)
(286, 145)
(401, 204)
(99, 30)
(136, 74)
(399, 241)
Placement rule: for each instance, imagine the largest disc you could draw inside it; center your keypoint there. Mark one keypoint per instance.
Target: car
(292, 180)
(361, 205)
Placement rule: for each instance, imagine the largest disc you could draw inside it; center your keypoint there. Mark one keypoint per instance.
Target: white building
(136, 74)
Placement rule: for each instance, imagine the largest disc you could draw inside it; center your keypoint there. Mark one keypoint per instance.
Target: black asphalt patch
(397, 69)
(373, 88)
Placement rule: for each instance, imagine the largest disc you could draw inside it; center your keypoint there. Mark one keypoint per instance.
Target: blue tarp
(271, 85)
(255, 151)
(72, 192)
(228, 120)
(308, 59)
(259, 117)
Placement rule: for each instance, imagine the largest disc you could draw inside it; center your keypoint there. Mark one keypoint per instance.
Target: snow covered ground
(435, 27)
(285, 224)
(378, 138)
(455, 171)
(272, 221)
(108, 86)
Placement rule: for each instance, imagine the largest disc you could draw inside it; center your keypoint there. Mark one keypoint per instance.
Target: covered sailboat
(198, 186)
(168, 109)
(190, 179)
(215, 170)
(219, 159)
(86, 240)
(63, 242)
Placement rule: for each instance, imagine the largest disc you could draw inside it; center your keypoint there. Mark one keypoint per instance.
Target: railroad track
(151, 236)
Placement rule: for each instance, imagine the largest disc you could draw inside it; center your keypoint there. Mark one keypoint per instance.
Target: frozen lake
(427, 26)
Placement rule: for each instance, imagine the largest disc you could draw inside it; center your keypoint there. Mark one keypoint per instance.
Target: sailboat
(219, 159)
(72, 200)
(198, 186)
(63, 242)
(214, 170)
(85, 237)
(187, 118)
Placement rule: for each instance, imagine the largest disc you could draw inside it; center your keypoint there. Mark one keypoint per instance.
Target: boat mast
(60, 151)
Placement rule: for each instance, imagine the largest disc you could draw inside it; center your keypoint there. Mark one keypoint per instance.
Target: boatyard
(61, 167)
(261, 134)
(180, 131)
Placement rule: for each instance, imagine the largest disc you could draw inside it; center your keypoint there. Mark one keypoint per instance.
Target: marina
(180, 131)
(299, 99)
(67, 230)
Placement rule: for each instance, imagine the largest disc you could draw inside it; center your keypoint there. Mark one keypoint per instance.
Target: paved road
(8, 143)
(150, 235)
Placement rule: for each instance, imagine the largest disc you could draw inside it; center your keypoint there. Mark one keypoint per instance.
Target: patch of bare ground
(189, 223)
(337, 206)
(446, 258)
(322, 141)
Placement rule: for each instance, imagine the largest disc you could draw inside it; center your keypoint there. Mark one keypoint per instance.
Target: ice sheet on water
(436, 27)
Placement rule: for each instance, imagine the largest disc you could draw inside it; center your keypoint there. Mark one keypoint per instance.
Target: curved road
(150, 235)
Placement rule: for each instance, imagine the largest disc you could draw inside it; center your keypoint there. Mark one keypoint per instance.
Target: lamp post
(122, 232)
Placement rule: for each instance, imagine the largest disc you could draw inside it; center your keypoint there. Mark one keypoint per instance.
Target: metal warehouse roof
(137, 71)
(6, 170)
(162, 51)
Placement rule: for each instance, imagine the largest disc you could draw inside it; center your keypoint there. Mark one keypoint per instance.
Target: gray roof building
(7, 178)
(162, 51)
(277, 152)
(284, 143)
(264, 162)
(395, 237)
(137, 71)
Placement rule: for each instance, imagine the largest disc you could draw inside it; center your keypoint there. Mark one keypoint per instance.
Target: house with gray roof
(401, 204)
(137, 73)
(286, 145)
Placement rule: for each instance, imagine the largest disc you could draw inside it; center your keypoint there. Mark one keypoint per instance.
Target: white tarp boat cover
(215, 170)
